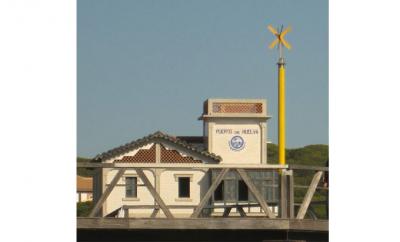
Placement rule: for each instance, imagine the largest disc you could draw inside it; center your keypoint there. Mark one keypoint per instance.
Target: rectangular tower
(236, 130)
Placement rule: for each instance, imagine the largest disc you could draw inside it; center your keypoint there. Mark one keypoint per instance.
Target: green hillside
(313, 155)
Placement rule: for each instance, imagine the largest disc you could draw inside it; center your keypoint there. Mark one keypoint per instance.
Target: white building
(84, 189)
(234, 132)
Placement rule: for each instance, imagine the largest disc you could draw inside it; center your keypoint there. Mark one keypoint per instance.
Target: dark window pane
(131, 186)
(230, 190)
(219, 192)
(243, 192)
(269, 191)
(184, 186)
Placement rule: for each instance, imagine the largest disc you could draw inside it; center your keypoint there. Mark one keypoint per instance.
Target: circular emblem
(236, 143)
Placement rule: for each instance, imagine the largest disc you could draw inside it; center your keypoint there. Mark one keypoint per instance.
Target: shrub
(84, 208)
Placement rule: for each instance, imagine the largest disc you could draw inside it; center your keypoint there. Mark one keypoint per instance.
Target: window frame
(135, 196)
(188, 179)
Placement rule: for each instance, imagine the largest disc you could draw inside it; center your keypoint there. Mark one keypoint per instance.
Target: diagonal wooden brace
(226, 212)
(208, 194)
(106, 193)
(309, 195)
(154, 213)
(153, 192)
(255, 193)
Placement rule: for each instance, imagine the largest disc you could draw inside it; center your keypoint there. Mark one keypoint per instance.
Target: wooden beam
(227, 211)
(113, 213)
(201, 165)
(106, 193)
(304, 224)
(310, 168)
(139, 206)
(180, 165)
(210, 191)
(327, 205)
(126, 212)
(255, 193)
(312, 203)
(158, 153)
(283, 195)
(246, 223)
(241, 211)
(291, 195)
(154, 213)
(309, 195)
(94, 165)
(306, 187)
(153, 192)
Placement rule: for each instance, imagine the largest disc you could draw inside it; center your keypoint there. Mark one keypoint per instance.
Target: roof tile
(149, 156)
(152, 138)
(84, 184)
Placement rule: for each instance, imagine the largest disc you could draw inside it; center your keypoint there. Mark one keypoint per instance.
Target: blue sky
(148, 65)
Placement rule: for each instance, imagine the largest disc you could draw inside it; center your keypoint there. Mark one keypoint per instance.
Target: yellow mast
(281, 90)
(281, 113)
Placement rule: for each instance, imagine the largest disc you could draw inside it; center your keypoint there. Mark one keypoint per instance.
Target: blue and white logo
(236, 143)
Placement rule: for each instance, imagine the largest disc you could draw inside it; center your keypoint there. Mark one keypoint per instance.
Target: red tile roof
(149, 156)
(173, 156)
(142, 156)
(84, 184)
(156, 138)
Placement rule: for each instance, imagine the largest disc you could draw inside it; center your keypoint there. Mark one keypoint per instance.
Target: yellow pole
(281, 112)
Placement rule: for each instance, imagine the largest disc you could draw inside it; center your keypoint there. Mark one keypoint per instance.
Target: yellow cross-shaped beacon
(279, 37)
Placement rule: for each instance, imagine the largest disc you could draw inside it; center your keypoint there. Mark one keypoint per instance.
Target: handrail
(286, 203)
(191, 165)
(179, 165)
(306, 167)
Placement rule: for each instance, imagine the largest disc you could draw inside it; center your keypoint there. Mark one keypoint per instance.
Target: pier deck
(201, 229)
(204, 223)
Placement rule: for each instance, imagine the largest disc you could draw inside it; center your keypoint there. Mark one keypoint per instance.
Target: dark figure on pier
(325, 179)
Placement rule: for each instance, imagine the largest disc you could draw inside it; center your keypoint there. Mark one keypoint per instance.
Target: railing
(297, 201)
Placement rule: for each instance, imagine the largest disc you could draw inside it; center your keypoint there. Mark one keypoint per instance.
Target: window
(243, 192)
(130, 186)
(219, 192)
(184, 187)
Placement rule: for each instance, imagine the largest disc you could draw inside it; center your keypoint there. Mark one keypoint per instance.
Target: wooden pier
(296, 221)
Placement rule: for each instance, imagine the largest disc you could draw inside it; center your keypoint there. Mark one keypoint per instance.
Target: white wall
(117, 197)
(84, 196)
(169, 189)
(168, 192)
(252, 131)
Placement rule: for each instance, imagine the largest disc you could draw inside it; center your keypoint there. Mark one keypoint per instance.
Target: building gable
(173, 150)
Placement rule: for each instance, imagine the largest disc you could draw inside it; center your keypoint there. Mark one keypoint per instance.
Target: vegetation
(84, 171)
(84, 208)
(312, 155)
